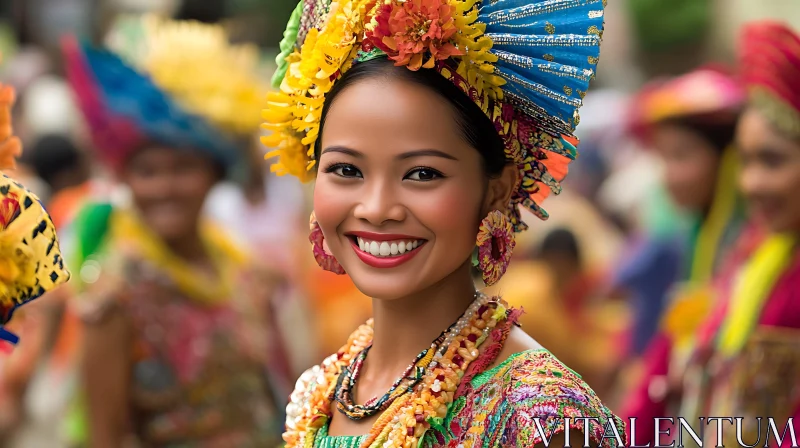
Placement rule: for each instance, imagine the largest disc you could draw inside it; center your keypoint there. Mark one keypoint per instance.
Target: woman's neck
(404, 327)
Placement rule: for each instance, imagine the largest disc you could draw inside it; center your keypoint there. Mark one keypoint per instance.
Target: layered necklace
(419, 397)
(343, 394)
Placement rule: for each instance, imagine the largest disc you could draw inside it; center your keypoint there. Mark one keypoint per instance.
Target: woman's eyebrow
(343, 150)
(425, 152)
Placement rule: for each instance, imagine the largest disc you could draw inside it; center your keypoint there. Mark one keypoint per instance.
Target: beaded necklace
(410, 415)
(347, 381)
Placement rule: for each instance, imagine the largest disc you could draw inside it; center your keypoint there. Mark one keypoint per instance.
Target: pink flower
(406, 30)
(495, 244)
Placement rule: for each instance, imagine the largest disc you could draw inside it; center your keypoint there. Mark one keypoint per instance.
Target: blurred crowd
(641, 246)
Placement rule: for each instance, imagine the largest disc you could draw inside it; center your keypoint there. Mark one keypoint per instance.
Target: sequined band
(546, 122)
(544, 91)
(553, 69)
(559, 40)
(535, 10)
(783, 116)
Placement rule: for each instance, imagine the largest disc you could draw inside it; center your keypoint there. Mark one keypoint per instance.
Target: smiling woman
(409, 190)
(427, 124)
(170, 305)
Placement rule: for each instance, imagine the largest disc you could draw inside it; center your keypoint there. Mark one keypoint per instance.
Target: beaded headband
(526, 63)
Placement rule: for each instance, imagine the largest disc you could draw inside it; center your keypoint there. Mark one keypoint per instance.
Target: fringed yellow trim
(294, 114)
(476, 64)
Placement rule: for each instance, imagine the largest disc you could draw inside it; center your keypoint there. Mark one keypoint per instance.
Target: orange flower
(10, 147)
(407, 30)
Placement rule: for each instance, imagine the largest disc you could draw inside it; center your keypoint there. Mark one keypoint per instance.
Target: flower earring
(495, 244)
(325, 260)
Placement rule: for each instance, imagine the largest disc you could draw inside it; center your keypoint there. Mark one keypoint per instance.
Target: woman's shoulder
(531, 393)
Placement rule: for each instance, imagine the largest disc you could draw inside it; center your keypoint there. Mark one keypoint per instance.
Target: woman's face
(400, 195)
(770, 177)
(690, 164)
(169, 188)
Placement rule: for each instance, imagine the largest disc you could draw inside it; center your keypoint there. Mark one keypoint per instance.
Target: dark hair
(562, 242)
(476, 128)
(717, 130)
(52, 155)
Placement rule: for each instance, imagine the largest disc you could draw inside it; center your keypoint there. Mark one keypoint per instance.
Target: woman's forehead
(391, 117)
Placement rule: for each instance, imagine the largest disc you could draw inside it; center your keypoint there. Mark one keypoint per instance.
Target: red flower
(406, 30)
(9, 210)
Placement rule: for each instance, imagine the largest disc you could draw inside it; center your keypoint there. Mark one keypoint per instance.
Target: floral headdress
(177, 83)
(526, 63)
(30, 260)
(770, 65)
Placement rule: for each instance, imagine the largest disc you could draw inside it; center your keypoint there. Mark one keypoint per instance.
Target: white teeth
(387, 248)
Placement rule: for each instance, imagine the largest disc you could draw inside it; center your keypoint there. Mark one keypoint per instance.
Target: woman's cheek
(331, 206)
(448, 214)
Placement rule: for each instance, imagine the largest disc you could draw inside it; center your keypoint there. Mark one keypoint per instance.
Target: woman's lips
(384, 251)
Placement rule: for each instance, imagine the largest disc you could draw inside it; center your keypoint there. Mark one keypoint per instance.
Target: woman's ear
(501, 189)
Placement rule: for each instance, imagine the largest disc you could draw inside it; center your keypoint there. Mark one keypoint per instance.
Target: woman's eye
(423, 174)
(344, 170)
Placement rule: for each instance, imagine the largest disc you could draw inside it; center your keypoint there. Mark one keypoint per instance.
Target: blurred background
(612, 231)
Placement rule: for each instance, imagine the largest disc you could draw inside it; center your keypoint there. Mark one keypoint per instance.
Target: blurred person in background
(277, 204)
(31, 265)
(552, 282)
(690, 121)
(748, 359)
(180, 346)
(66, 170)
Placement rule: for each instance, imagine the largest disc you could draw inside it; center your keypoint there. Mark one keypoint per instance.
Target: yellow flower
(224, 84)
(294, 113)
(17, 268)
(499, 312)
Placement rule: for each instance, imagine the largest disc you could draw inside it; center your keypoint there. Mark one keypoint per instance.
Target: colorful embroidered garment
(527, 64)
(748, 357)
(206, 359)
(501, 407)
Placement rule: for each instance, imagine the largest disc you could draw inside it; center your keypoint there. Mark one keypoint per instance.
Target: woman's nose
(378, 204)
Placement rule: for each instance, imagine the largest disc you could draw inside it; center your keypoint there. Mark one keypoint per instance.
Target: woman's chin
(385, 287)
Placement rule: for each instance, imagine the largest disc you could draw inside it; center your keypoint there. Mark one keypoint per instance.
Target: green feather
(91, 227)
